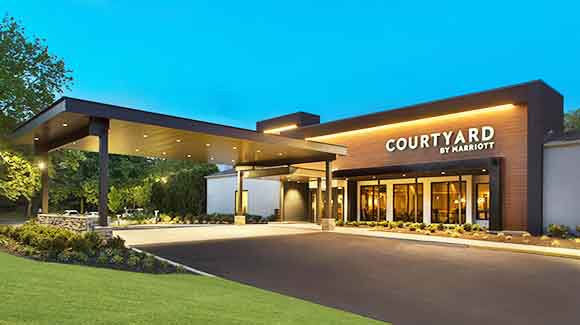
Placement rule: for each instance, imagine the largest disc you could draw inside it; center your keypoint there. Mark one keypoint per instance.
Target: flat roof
(515, 94)
(66, 123)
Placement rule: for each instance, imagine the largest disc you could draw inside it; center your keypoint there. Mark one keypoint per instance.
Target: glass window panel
(400, 202)
(482, 190)
(440, 202)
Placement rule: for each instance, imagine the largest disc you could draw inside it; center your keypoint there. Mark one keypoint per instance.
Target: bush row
(55, 244)
(413, 226)
(214, 218)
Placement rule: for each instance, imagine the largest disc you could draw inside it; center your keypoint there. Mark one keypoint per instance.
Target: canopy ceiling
(67, 124)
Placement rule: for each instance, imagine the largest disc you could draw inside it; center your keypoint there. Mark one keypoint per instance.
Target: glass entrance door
(447, 198)
(373, 202)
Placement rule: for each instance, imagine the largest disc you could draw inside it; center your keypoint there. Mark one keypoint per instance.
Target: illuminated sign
(475, 139)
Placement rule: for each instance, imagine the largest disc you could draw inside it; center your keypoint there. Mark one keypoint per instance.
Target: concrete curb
(190, 269)
(481, 244)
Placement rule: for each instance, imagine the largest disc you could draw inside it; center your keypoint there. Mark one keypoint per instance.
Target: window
(447, 202)
(338, 194)
(373, 202)
(404, 196)
(244, 202)
(482, 207)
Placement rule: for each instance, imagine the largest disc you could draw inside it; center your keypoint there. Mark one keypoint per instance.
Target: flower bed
(560, 236)
(215, 218)
(54, 244)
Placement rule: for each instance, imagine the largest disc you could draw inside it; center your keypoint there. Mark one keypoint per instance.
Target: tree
(572, 120)
(19, 179)
(30, 76)
(116, 199)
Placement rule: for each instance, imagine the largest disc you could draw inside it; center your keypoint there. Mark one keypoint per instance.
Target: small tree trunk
(82, 205)
(28, 209)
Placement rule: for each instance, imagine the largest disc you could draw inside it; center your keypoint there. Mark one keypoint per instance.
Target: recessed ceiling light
(484, 170)
(145, 135)
(36, 139)
(137, 150)
(404, 175)
(74, 142)
(280, 154)
(442, 173)
(211, 158)
(188, 156)
(233, 161)
(258, 151)
(164, 153)
(374, 177)
(235, 148)
(64, 125)
(207, 144)
(178, 140)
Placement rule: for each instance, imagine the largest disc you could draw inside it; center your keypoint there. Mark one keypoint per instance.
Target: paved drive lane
(399, 281)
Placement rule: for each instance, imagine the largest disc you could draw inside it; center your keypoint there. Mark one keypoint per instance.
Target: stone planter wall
(73, 223)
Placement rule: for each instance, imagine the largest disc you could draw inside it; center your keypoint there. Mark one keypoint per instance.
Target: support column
(495, 193)
(328, 222)
(103, 178)
(460, 205)
(44, 181)
(240, 218)
(319, 215)
(416, 198)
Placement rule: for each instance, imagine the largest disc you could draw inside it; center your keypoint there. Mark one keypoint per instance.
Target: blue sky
(235, 62)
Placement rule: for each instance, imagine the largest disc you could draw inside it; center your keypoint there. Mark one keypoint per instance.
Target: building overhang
(70, 124)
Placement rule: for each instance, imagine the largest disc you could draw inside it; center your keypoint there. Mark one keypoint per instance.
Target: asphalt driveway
(398, 281)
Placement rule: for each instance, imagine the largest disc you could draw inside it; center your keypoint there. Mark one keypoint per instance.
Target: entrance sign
(475, 139)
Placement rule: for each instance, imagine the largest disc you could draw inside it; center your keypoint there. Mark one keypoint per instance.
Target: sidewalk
(521, 248)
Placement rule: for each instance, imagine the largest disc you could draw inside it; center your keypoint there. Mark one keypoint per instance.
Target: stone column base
(239, 220)
(327, 224)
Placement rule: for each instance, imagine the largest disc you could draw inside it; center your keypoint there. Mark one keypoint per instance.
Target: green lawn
(44, 293)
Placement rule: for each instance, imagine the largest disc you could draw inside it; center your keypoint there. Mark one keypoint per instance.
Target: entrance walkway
(197, 233)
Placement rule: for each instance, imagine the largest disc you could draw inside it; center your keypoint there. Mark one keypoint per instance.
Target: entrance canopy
(74, 124)
(79, 124)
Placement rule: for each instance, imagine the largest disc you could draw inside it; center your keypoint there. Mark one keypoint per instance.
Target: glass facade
(337, 194)
(373, 202)
(448, 202)
(405, 197)
(482, 199)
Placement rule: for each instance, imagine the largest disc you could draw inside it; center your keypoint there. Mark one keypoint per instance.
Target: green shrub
(422, 226)
(103, 259)
(372, 223)
(148, 263)
(400, 224)
(116, 243)
(81, 244)
(467, 227)
(117, 259)
(133, 261)
(412, 227)
(475, 227)
(77, 257)
(440, 227)
(459, 229)
(384, 223)
(64, 257)
(558, 230)
(432, 228)
(339, 223)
